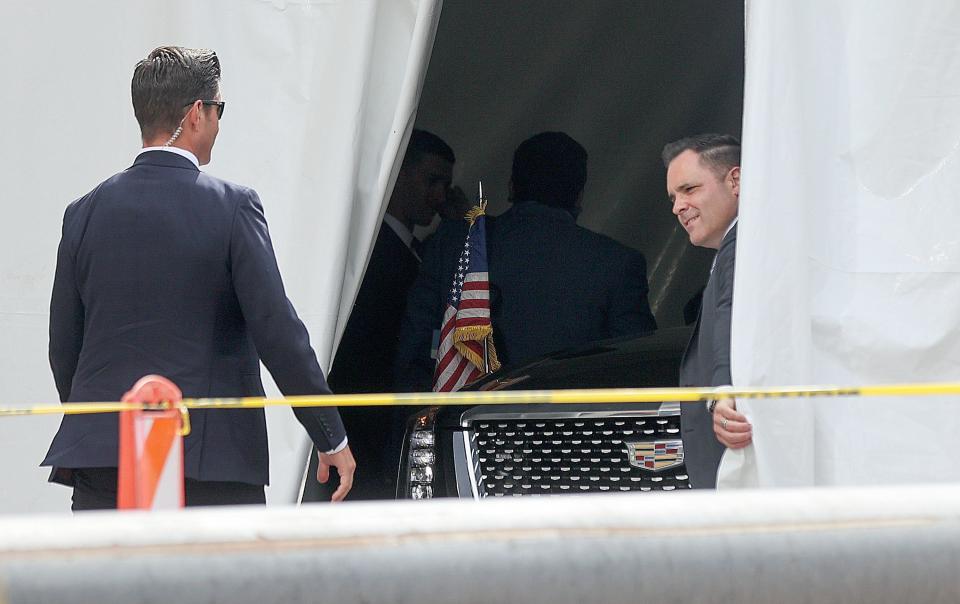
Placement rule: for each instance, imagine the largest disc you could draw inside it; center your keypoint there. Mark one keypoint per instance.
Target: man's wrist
(712, 403)
(338, 448)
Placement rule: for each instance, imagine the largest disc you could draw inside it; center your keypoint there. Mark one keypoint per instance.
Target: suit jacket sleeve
(280, 337)
(720, 341)
(629, 308)
(66, 316)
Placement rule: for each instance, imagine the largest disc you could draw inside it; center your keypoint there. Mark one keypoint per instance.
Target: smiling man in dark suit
(164, 269)
(703, 183)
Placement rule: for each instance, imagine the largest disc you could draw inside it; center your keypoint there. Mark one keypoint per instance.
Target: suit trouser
(96, 489)
(702, 450)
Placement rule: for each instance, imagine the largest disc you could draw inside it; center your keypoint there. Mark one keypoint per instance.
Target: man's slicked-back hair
(169, 79)
(549, 168)
(426, 143)
(719, 152)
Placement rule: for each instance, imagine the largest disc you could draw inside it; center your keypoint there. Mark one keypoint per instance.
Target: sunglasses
(218, 104)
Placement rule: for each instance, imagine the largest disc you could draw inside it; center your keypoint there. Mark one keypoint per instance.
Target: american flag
(466, 349)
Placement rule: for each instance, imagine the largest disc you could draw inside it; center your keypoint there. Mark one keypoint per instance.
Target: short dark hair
(169, 79)
(426, 143)
(720, 152)
(549, 168)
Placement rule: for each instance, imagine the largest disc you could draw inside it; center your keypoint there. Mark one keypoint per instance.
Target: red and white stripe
(454, 370)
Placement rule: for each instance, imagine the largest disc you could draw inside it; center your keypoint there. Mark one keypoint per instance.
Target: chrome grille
(550, 455)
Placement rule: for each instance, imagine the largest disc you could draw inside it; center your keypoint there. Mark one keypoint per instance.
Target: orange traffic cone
(150, 472)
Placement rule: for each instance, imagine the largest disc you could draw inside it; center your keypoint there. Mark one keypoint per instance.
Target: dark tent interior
(622, 77)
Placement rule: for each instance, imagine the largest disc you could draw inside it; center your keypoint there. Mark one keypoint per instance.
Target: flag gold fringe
(476, 212)
(477, 333)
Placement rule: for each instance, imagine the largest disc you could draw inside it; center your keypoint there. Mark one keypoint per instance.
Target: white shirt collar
(182, 152)
(405, 235)
(730, 228)
(725, 233)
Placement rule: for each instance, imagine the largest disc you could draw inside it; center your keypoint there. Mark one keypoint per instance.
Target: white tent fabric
(848, 260)
(321, 96)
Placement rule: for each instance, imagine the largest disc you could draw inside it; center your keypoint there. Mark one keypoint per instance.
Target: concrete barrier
(897, 544)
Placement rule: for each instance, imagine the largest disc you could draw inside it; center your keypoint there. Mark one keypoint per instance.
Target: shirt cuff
(711, 402)
(338, 448)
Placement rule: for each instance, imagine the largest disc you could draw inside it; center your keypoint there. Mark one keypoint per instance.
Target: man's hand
(345, 465)
(731, 427)
(456, 205)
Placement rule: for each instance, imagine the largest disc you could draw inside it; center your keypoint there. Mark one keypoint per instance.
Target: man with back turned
(163, 269)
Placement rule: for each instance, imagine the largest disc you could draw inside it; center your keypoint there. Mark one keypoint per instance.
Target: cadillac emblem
(655, 455)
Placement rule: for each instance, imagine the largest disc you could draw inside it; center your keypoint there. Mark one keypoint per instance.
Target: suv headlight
(419, 463)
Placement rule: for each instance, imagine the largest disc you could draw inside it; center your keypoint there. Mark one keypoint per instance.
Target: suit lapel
(691, 353)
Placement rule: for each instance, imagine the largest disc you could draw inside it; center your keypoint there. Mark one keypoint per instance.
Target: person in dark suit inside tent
(365, 356)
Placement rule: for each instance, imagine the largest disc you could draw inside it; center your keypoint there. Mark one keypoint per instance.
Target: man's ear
(733, 180)
(191, 118)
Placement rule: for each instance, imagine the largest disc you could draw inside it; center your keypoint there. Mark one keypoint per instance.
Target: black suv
(500, 450)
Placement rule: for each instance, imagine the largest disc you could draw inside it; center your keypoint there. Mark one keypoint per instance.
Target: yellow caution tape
(503, 397)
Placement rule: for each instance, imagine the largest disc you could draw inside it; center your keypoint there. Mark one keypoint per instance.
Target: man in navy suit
(553, 283)
(164, 269)
(703, 183)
